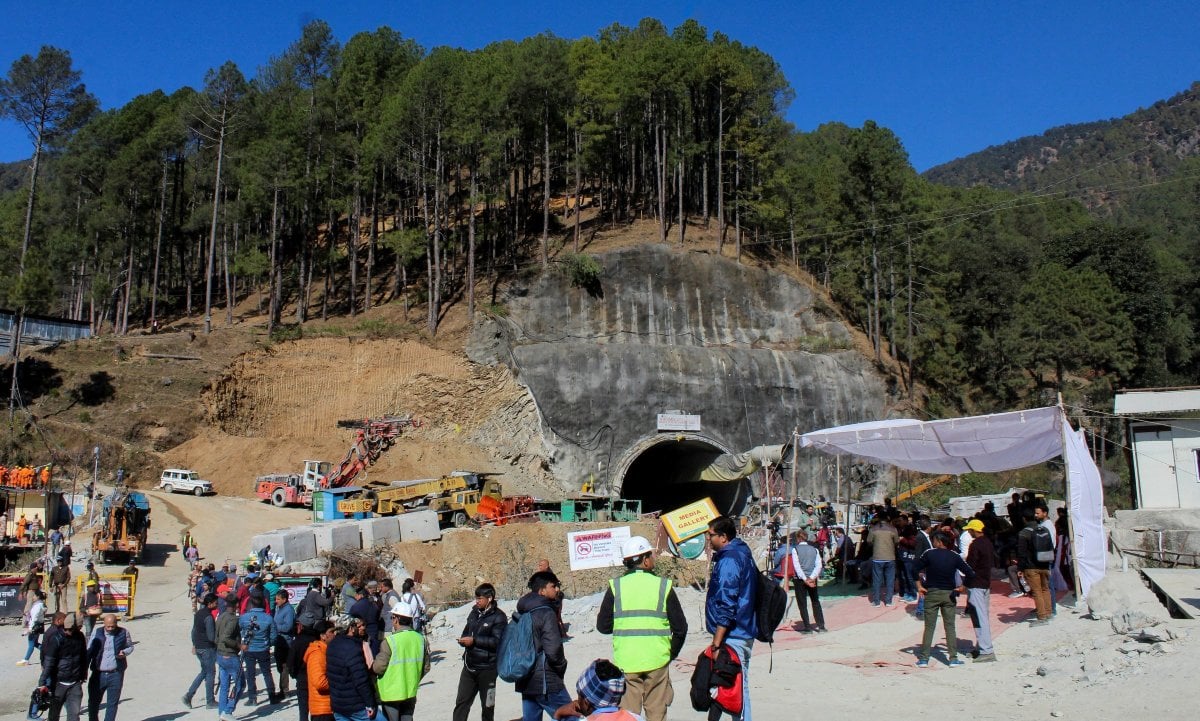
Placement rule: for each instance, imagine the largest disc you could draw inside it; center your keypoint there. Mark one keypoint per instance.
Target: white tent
(998, 442)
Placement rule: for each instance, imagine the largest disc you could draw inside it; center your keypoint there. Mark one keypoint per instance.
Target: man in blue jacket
(729, 606)
(351, 687)
(258, 640)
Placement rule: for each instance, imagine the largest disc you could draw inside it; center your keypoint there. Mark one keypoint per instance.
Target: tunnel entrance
(666, 475)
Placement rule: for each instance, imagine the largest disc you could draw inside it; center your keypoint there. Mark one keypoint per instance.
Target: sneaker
(974, 653)
(22, 662)
(1039, 622)
(1016, 594)
(890, 604)
(955, 663)
(822, 629)
(923, 663)
(187, 701)
(211, 706)
(985, 658)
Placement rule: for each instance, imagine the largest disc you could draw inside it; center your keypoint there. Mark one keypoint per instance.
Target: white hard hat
(403, 608)
(635, 546)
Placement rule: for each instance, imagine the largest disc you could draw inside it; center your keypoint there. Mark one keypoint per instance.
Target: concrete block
(337, 536)
(381, 531)
(419, 526)
(291, 545)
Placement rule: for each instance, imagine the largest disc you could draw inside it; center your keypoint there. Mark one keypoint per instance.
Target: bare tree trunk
(276, 269)
(128, 287)
(373, 240)
(212, 230)
(162, 211)
(545, 185)
(471, 253)
(229, 292)
(679, 170)
(720, 169)
(352, 242)
(578, 188)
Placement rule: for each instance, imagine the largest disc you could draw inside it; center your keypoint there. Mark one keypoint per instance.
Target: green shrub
(584, 271)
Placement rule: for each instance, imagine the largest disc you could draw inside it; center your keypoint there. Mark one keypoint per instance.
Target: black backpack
(1043, 544)
(770, 606)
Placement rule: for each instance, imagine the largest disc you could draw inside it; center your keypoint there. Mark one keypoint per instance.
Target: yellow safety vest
(641, 630)
(403, 673)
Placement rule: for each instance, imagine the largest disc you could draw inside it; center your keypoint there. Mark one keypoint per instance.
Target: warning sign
(691, 520)
(596, 548)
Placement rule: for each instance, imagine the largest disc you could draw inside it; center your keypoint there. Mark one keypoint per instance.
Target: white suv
(177, 479)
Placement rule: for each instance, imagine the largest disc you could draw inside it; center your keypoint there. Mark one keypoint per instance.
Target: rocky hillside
(1097, 160)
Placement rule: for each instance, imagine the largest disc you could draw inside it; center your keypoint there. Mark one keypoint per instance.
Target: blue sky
(949, 78)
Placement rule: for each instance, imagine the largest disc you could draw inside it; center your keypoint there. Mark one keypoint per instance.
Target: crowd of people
(911, 558)
(358, 652)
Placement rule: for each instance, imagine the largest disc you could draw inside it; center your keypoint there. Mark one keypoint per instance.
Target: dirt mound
(276, 407)
(506, 556)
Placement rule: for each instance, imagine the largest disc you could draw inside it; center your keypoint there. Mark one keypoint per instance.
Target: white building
(1164, 431)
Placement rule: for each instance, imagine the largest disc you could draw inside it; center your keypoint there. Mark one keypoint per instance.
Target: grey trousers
(979, 604)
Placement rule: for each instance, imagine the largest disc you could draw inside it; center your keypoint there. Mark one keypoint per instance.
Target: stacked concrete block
(381, 531)
(291, 545)
(419, 526)
(337, 536)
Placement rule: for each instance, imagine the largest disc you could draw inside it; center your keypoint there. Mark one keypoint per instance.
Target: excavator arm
(373, 437)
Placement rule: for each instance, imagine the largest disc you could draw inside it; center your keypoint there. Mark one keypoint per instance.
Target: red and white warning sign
(596, 548)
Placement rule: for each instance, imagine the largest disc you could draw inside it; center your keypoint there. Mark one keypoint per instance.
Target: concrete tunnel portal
(664, 473)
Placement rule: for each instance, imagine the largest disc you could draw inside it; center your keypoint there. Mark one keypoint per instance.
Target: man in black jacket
(481, 639)
(1036, 573)
(65, 669)
(315, 605)
(204, 648)
(936, 582)
(351, 685)
(296, 666)
(543, 689)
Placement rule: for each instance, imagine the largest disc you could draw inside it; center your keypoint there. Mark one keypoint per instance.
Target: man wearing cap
(90, 606)
(204, 648)
(60, 577)
(730, 601)
(64, 669)
(648, 626)
(601, 688)
(400, 664)
(258, 640)
(229, 662)
(480, 640)
(981, 557)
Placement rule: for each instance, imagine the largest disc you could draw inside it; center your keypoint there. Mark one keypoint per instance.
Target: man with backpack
(1035, 552)
(648, 626)
(730, 604)
(543, 688)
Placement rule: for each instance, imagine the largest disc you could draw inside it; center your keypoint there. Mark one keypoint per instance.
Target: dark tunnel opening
(666, 476)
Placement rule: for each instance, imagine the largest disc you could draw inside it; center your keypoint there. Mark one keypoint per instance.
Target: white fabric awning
(998, 442)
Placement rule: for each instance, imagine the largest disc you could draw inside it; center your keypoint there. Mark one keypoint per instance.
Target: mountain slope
(1097, 162)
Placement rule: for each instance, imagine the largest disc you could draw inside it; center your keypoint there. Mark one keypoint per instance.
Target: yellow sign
(691, 520)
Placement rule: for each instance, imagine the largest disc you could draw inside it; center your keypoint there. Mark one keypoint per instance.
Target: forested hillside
(338, 177)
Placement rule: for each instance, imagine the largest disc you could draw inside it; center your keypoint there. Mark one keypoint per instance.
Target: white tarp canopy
(997, 442)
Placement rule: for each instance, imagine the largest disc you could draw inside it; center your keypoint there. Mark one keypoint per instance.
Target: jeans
(258, 660)
(979, 603)
(107, 684)
(208, 671)
(480, 683)
(67, 696)
(743, 647)
(883, 579)
(357, 716)
(229, 683)
(33, 645)
(937, 599)
(532, 705)
(1053, 592)
(908, 579)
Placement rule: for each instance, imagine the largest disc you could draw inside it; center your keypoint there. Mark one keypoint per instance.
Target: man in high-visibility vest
(402, 660)
(648, 626)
